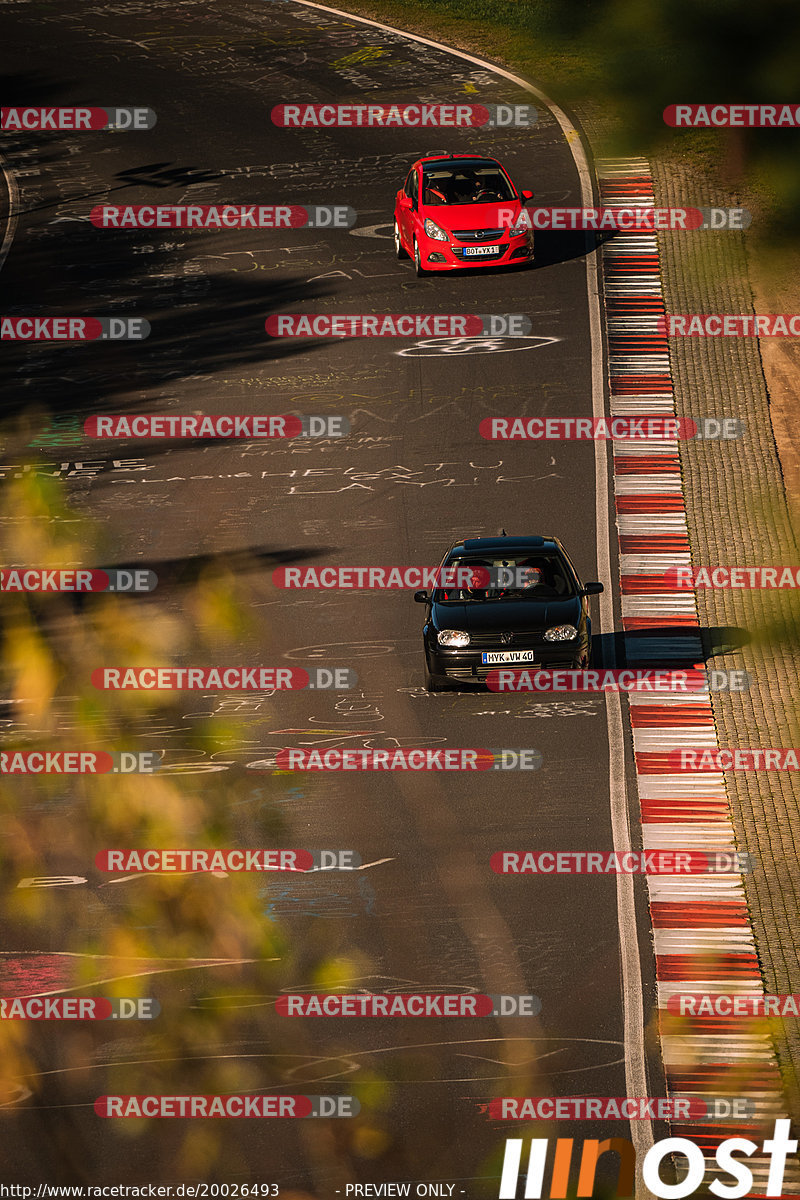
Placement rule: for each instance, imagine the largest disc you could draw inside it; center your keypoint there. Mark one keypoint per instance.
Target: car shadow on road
(666, 646)
(554, 246)
(550, 247)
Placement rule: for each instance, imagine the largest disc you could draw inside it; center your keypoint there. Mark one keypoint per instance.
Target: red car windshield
(465, 183)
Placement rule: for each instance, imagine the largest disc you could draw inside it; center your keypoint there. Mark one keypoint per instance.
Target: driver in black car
(476, 589)
(526, 578)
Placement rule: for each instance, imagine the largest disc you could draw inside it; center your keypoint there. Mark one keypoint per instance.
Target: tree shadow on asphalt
(194, 338)
(206, 300)
(189, 570)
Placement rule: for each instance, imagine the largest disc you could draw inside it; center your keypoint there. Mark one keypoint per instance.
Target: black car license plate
(501, 657)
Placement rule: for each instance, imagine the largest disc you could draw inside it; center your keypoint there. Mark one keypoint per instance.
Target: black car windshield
(470, 183)
(479, 580)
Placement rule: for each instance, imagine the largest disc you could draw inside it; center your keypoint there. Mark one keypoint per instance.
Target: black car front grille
(468, 674)
(478, 672)
(521, 641)
(478, 235)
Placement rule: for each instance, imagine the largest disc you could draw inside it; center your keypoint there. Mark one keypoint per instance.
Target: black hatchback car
(519, 602)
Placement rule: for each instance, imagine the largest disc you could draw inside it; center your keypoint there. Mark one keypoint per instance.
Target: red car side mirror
(526, 195)
(405, 201)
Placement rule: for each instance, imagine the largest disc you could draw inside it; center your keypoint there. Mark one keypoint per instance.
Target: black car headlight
(453, 637)
(561, 633)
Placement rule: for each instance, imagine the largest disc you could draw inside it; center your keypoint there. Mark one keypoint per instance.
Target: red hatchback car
(460, 210)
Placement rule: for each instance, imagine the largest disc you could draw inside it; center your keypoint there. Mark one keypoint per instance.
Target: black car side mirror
(421, 597)
(592, 589)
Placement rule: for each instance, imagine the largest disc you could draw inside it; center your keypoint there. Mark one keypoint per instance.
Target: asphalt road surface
(425, 912)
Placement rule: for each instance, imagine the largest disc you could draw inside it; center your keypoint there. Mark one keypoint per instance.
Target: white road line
(13, 209)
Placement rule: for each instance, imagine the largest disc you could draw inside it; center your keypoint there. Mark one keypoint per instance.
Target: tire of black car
(432, 685)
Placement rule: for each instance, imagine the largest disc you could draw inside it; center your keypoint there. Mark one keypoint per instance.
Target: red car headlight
(521, 225)
(434, 232)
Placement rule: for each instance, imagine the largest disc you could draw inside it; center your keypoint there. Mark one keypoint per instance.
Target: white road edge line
(632, 1002)
(13, 210)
